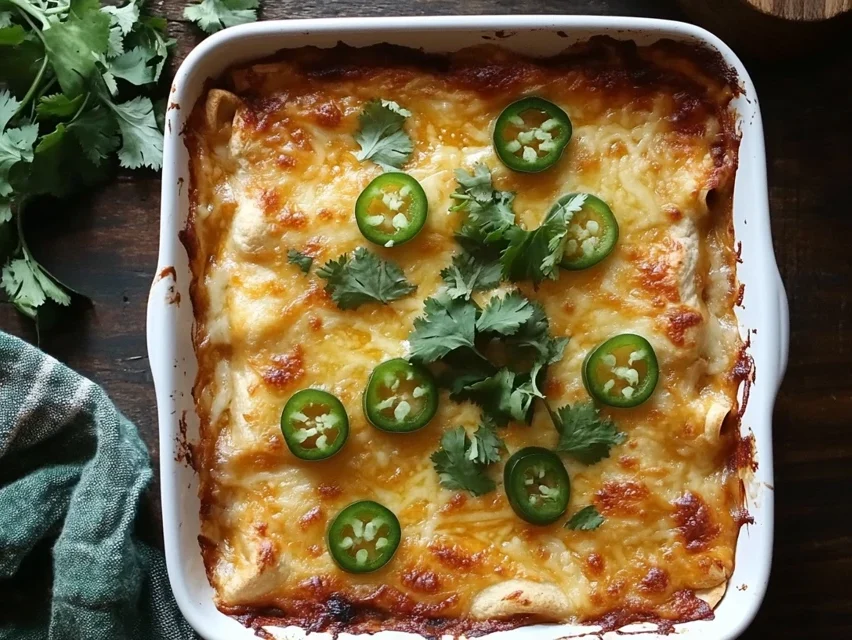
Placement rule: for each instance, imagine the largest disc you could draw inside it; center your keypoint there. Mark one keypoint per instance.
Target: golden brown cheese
(273, 168)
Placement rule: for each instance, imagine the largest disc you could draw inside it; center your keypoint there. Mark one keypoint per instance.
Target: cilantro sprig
(468, 274)
(584, 434)
(586, 519)
(381, 136)
(301, 260)
(76, 81)
(362, 277)
(462, 461)
(535, 255)
(490, 232)
(472, 343)
(214, 15)
(489, 214)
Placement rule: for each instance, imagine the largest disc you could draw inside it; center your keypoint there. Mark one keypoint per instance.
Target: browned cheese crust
(272, 168)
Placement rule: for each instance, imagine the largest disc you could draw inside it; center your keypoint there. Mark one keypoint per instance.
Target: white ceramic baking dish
(763, 315)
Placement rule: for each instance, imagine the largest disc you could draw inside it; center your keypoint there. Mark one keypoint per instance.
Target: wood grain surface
(105, 244)
(802, 9)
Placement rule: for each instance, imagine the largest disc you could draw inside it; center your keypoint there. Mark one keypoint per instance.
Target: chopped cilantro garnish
(584, 434)
(461, 462)
(301, 260)
(469, 273)
(505, 315)
(448, 324)
(451, 331)
(535, 255)
(586, 519)
(381, 136)
(489, 212)
(363, 277)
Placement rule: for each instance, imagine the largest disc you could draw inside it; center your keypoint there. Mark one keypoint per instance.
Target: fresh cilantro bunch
(461, 462)
(74, 79)
(494, 356)
(214, 15)
(361, 278)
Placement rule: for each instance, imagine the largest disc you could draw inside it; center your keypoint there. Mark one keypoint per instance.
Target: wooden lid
(806, 10)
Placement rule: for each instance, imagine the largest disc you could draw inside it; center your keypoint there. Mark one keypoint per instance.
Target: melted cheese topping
(273, 168)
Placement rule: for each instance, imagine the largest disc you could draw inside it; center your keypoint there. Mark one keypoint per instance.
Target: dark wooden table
(105, 244)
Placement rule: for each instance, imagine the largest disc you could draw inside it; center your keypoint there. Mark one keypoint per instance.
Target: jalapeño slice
(592, 233)
(363, 537)
(531, 134)
(392, 209)
(537, 485)
(400, 396)
(621, 372)
(314, 424)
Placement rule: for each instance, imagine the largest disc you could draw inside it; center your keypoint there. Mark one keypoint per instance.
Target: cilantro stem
(82, 106)
(27, 8)
(33, 87)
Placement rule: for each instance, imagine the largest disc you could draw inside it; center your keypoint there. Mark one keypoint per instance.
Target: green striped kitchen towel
(72, 469)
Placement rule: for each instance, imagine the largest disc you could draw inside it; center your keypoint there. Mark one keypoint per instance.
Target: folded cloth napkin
(72, 468)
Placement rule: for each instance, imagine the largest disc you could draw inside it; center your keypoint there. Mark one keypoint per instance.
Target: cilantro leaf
(468, 274)
(505, 315)
(28, 286)
(123, 18)
(5, 211)
(381, 136)
(11, 35)
(141, 140)
(504, 396)
(97, 133)
(16, 144)
(476, 186)
(556, 244)
(301, 260)
(448, 324)
(535, 334)
(74, 44)
(586, 519)
(489, 212)
(149, 35)
(364, 278)
(115, 45)
(63, 162)
(8, 107)
(486, 445)
(584, 433)
(135, 66)
(214, 15)
(535, 255)
(456, 468)
(58, 105)
(20, 65)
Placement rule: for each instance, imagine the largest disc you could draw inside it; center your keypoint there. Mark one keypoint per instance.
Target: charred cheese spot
(273, 168)
(695, 522)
